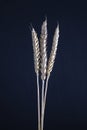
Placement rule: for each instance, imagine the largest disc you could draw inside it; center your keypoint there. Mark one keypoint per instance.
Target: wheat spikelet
(43, 43)
(36, 50)
(53, 51)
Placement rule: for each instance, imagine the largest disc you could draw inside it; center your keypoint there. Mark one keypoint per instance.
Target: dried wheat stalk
(51, 61)
(43, 43)
(36, 65)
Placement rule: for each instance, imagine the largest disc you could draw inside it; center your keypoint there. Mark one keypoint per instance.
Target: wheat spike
(53, 51)
(36, 50)
(43, 43)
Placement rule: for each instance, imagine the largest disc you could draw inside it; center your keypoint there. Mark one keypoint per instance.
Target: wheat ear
(36, 51)
(53, 51)
(51, 60)
(43, 43)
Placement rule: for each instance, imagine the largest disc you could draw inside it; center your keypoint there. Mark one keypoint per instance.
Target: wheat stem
(42, 105)
(45, 94)
(38, 101)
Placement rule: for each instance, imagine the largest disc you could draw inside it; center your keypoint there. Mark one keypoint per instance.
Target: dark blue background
(67, 94)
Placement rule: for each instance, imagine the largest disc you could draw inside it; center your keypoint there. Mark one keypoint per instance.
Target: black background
(67, 94)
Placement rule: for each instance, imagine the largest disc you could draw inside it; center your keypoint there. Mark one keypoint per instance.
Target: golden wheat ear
(53, 51)
(36, 50)
(43, 44)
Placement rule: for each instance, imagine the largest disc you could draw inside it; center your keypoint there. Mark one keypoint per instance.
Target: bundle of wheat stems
(41, 64)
